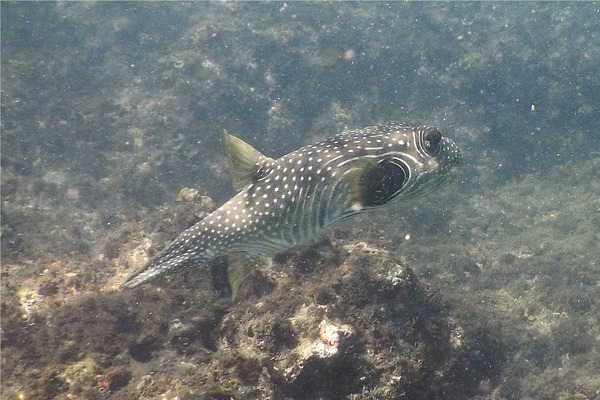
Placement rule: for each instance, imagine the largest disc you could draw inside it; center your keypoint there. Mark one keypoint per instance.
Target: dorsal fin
(244, 160)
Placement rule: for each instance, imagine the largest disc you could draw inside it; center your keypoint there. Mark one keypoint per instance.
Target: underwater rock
(352, 324)
(187, 195)
(329, 339)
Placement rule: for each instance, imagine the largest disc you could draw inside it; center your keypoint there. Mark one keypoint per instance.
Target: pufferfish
(283, 202)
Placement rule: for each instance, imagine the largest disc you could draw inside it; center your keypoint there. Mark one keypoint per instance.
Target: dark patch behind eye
(384, 183)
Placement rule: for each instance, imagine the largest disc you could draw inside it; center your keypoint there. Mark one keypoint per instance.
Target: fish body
(285, 201)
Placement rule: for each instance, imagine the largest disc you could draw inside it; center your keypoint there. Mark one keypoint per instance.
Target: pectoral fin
(374, 183)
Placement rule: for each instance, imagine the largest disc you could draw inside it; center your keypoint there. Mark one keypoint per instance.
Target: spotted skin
(294, 198)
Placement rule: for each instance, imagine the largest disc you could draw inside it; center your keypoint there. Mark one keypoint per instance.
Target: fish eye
(431, 140)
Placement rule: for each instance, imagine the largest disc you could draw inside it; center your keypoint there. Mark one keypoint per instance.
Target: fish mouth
(449, 166)
(451, 158)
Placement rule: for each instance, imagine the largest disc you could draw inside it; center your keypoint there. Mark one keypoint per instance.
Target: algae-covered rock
(81, 375)
(376, 332)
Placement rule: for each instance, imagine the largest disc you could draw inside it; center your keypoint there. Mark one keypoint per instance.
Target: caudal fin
(176, 256)
(144, 274)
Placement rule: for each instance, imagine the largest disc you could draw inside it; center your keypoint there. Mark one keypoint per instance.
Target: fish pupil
(432, 140)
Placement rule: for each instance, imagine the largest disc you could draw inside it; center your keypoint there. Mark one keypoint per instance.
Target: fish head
(422, 158)
(408, 162)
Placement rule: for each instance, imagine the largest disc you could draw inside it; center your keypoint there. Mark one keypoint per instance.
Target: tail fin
(144, 274)
(175, 256)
